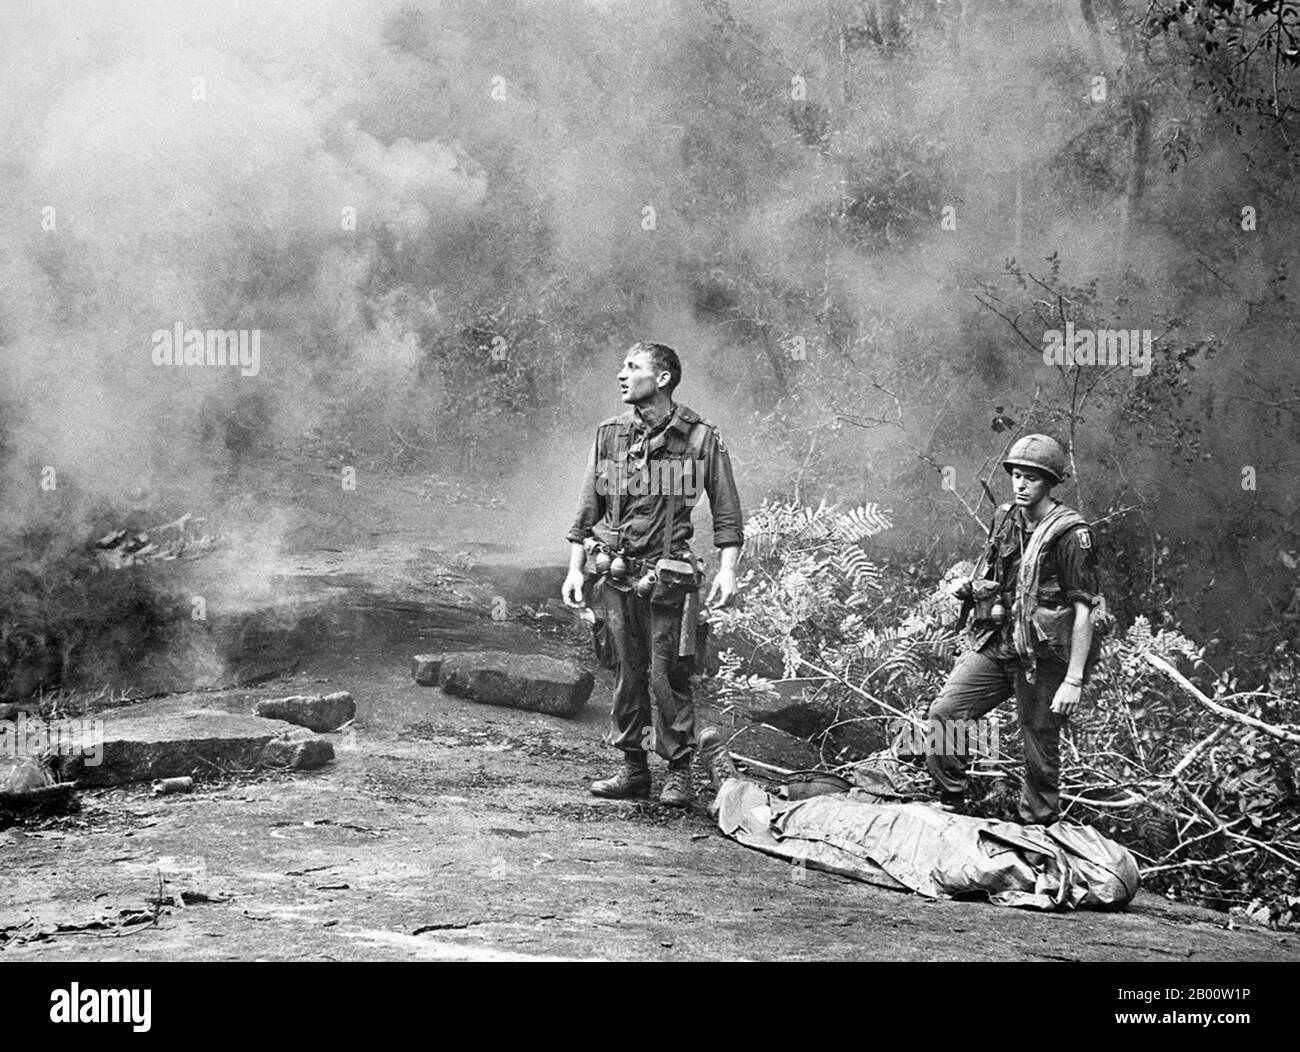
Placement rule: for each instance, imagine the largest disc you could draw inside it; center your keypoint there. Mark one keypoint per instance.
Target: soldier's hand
(571, 590)
(723, 590)
(1067, 700)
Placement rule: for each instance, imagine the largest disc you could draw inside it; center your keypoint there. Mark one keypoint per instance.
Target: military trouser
(649, 670)
(979, 683)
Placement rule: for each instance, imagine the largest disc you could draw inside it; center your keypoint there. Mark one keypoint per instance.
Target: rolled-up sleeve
(724, 501)
(591, 505)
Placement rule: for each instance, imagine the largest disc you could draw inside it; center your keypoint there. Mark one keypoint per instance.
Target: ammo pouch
(984, 596)
(589, 565)
(673, 579)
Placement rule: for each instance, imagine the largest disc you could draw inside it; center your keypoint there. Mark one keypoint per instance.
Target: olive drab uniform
(994, 668)
(641, 487)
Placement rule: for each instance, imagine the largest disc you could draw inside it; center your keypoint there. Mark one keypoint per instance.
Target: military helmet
(1040, 452)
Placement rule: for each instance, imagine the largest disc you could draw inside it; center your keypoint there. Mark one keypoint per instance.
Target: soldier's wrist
(1074, 681)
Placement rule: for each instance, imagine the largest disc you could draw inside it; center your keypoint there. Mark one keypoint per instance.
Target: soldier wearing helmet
(1032, 599)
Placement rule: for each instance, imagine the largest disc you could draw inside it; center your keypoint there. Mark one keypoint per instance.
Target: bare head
(650, 371)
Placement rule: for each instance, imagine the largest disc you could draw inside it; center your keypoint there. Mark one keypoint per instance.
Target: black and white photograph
(521, 481)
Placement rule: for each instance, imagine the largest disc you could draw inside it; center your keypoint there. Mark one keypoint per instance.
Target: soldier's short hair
(664, 360)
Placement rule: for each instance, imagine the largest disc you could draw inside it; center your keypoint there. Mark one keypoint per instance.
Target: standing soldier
(632, 537)
(1032, 598)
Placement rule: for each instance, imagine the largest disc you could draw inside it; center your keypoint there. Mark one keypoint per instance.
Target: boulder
(320, 712)
(299, 754)
(22, 774)
(518, 681)
(425, 669)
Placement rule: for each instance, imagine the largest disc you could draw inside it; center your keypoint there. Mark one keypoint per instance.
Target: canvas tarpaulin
(914, 847)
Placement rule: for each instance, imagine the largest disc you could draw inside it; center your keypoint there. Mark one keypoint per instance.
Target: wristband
(1074, 682)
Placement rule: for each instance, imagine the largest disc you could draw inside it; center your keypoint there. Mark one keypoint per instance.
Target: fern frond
(855, 526)
(858, 569)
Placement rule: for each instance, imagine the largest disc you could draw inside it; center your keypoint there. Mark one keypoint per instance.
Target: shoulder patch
(1083, 536)
(709, 426)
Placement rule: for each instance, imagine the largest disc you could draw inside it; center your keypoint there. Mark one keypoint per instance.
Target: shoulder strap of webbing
(616, 507)
(1062, 520)
(670, 517)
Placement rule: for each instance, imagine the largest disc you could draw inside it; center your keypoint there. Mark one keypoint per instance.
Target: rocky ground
(449, 830)
(460, 832)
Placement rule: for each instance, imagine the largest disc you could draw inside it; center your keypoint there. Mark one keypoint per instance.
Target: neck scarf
(640, 447)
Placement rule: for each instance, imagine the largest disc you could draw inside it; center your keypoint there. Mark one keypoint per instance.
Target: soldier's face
(1029, 486)
(637, 381)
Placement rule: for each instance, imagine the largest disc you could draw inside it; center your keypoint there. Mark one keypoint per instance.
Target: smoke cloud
(202, 166)
(386, 192)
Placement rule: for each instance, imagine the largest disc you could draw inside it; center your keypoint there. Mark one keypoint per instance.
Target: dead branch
(1197, 862)
(964, 502)
(759, 764)
(1195, 751)
(862, 693)
(1220, 710)
(1132, 801)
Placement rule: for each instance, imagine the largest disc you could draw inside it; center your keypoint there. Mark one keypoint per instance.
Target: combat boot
(677, 787)
(716, 757)
(631, 783)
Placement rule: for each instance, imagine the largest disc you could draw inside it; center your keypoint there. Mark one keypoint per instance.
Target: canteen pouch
(674, 578)
(1103, 621)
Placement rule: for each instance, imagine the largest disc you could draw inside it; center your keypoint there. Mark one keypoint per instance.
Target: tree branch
(1215, 707)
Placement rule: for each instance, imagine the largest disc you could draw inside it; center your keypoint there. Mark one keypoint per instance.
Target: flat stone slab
(317, 712)
(519, 681)
(49, 799)
(170, 737)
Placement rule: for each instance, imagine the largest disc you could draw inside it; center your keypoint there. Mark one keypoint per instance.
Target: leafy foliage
(1207, 805)
(815, 598)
